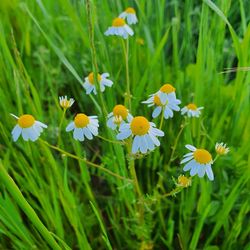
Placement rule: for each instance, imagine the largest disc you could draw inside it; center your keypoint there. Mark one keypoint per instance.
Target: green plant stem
(60, 126)
(28, 210)
(86, 161)
(125, 47)
(94, 59)
(111, 141)
(162, 118)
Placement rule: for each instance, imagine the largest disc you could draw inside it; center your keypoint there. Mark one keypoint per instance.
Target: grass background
(45, 52)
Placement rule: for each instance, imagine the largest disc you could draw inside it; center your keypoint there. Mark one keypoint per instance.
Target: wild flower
(28, 127)
(221, 148)
(130, 15)
(184, 181)
(65, 103)
(83, 126)
(119, 28)
(170, 105)
(89, 83)
(118, 116)
(191, 110)
(143, 132)
(199, 162)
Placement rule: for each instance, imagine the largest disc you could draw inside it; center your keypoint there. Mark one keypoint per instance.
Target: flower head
(221, 148)
(28, 127)
(164, 101)
(144, 134)
(130, 15)
(65, 103)
(89, 83)
(199, 162)
(184, 181)
(119, 28)
(119, 115)
(83, 126)
(191, 110)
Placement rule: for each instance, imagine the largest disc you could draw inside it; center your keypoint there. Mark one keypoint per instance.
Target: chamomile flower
(184, 181)
(89, 83)
(167, 92)
(143, 132)
(191, 110)
(221, 148)
(119, 115)
(83, 126)
(65, 103)
(170, 105)
(199, 162)
(130, 15)
(28, 127)
(119, 28)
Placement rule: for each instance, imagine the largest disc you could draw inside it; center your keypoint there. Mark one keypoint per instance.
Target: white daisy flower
(89, 83)
(199, 162)
(166, 92)
(28, 127)
(119, 28)
(191, 110)
(83, 125)
(119, 115)
(130, 15)
(221, 148)
(170, 105)
(65, 103)
(144, 134)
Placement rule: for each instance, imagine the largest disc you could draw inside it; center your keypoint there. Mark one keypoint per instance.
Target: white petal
(189, 165)
(129, 30)
(201, 170)
(194, 169)
(87, 133)
(156, 131)
(135, 145)
(111, 124)
(124, 134)
(93, 129)
(78, 134)
(41, 124)
(142, 144)
(187, 159)
(156, 111)
(25, 134)
(155, 140)
(149, 142)
(70, 127)
(209, 172)
(17, 130)
(190, 147)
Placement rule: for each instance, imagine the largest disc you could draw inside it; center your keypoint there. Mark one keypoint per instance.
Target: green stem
(126, 53)
(86, 161)
(94, 59)
(25, 206)
(162, 118)
(60, 126)
(111, 141)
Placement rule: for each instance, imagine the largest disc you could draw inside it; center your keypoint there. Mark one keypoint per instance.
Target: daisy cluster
(137, 131)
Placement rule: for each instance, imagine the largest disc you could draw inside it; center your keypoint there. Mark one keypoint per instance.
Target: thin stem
(60, 126)
(25, 206)
(126, 53)
(86, 161)
(94, 58)
(111, 141)
(162, 118)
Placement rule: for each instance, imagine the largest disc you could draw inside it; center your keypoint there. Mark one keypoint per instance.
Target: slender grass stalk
(94, 58)
(125, 46)
(25, 206)
(86, 161)
(60, 126)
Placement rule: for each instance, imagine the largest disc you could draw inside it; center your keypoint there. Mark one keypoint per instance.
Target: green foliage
(45, 52)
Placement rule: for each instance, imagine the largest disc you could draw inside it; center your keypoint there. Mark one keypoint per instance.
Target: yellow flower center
(184, 181)
(120, 110)
(130, 10)
(26, 121)
(202, 156)
(157, 100)
(221, 150)
(81, 120)
(139, 125)
(192, 106)
(167, 88)
(91, 78)
(65, 104)
(118, 22)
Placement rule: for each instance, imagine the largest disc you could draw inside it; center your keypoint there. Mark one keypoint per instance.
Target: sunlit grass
(93, 195)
